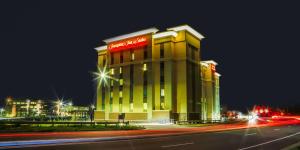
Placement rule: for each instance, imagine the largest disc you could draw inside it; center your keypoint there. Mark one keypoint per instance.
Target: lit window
(132, 56)
(112, 71)
(121, 81)
(111, 94)
(162, 92)
(145, 106)
(120, 108)
(120, 94)
(111, 83)
(131, 106)
(145, 67)
(162, 105)
(120, 70)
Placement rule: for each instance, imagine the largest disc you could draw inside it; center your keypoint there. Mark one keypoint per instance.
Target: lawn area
(62, 128)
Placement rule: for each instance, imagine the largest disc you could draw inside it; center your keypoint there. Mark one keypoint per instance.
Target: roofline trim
(210, 62)
(133, 34)
(165, 34)
(189, 29)
(101, 48)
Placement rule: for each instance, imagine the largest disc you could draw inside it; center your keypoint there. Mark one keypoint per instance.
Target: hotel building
(157, 76)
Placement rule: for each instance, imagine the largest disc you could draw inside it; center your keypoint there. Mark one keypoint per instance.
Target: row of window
(145, 84)
(191, 53)
(132, 55)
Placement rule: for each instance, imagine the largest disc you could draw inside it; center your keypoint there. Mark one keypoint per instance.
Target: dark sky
(46, 47)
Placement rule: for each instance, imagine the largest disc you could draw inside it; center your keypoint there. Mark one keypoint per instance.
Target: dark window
(145, 85)
(103, 97)
(131, 84)
(191, 51)
(104, 60)
(162, 86)
(162, 51)
(111, 95)
(112, 58)
(162, 72)
(131, 54)
(121, 57)
(145, 53)
(193, 87)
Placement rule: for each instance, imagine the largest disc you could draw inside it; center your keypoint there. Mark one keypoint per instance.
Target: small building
(46, 108)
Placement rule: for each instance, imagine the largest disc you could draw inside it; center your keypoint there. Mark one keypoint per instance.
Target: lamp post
(92, 109)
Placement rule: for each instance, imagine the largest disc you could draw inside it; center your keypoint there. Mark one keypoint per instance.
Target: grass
(62, 128)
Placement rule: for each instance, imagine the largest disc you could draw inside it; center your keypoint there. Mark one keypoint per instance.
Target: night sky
(47, 47)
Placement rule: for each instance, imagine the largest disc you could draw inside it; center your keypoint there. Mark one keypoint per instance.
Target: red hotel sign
(129, 43)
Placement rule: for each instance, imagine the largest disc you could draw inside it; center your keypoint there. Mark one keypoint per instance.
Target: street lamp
(59, 105)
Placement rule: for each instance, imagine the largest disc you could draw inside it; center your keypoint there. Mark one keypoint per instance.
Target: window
(111, 100)
(145, 67)
(145, 53)
(145, 107)
(104, 60)
(162, 51)
(120, 71)
(131, 83)
(162, 86)
(120, 107)
(103, 97)
(121, 81)
(112, 83)
(162, 92)
(120, 94)
(145, 86)
(131, 107)
(111, 94)
(112, 58)
(112, 71)
(132, 55)
(162, 72)
(121, 57)
(162, 105)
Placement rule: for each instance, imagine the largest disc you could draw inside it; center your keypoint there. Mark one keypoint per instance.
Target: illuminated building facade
(26, 107)
(37, 108)
(155, 76)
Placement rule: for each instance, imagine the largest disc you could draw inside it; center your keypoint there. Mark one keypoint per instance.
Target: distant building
(26, 107)
(37, 107)
(157, 76)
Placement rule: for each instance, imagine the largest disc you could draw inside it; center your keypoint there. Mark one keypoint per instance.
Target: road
(265, 137)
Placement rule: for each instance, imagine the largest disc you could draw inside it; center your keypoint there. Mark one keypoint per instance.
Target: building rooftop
(209, 62)
(187, 28)
(170, 32)
(133, 34)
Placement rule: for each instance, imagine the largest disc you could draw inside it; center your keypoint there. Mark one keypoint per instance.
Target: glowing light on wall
(128, 43)
(213, 67)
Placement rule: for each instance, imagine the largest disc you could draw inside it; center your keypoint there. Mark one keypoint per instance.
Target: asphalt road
(264, 138)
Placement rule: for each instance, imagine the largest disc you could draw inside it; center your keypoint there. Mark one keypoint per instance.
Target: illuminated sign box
(128, 43)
